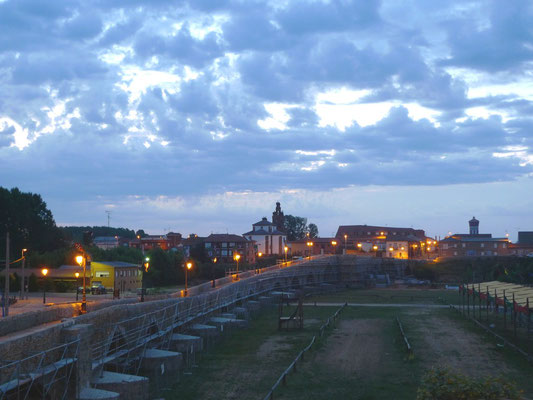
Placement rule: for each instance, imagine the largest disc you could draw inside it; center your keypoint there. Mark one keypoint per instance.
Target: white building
(268, 238)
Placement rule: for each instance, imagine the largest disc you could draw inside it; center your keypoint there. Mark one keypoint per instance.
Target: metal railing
(39, 372)
(124, 342)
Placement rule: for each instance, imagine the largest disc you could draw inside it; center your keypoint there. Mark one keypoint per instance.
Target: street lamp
(345, 238)
(22, 286)
(285, 249)
(82, 262)
(309, 244)
(188, 266)
(44, 271)
(237, 257)
(334, 243)
(146, 266)
(213, 271)
(360, 246)
(77, 275)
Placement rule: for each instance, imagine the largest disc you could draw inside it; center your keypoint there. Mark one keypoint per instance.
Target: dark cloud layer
(160, 97)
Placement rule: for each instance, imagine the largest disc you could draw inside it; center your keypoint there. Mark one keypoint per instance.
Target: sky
(197, 116)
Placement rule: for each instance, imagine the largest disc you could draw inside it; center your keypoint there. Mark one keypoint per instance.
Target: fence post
(479, 296)
(514, 316)
(504, 311)
(487, 304)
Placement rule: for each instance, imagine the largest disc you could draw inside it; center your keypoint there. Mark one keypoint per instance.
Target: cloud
(201, 98)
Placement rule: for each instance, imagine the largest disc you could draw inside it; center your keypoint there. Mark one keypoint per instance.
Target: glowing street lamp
(237, 257)
(146, 266)
(213, 272)
(334, 244)
(285, 249)
(360, 246)
(375, 248)
(22, 290)
(44, 271)
(77, 275)
(345, 238)
(188, 266)
(82, 262)
(309, 245)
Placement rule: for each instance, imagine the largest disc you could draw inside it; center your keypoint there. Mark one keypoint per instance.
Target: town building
(473, 244)
(116, 275)
(225, 246)
(169, 241)
(269, 237)
(380, 239)
(524, 245)
(106, 242)
(314, 246)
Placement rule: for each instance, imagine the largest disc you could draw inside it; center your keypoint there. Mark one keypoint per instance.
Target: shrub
(442, 384)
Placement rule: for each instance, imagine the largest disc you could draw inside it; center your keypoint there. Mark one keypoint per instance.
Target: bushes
(442, 384)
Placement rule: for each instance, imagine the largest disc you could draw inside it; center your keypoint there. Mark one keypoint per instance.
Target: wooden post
(495, 302)
(504, 310)
(479, 295)
(467, 301)
(487, 304)
(514, 317)
(463, 298)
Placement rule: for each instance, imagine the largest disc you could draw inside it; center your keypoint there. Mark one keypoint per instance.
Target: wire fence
(300, 357)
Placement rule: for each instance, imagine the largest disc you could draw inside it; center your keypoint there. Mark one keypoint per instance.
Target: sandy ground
(355, 347)
(449, 344)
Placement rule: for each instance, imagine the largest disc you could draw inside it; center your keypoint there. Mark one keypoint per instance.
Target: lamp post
(286, 249)
(309, 244)
(146, 266)
(345, 238)
(22, 286)
(213, 272)
(44, 271)
(360, 246)
(77, 275)
(188, 266)
(334, 243)
(237, 258)
(82, 262)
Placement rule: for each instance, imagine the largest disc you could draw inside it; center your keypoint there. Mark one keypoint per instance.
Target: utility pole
(108, 217)
(6, 289)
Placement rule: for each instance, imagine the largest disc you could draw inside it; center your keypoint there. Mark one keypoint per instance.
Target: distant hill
(75, 233)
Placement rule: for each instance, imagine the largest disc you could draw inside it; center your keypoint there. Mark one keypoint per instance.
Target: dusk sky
(197, 116)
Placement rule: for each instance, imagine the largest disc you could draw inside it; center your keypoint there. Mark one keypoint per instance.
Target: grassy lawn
(362, 357)
(249, 361)
(396, 296)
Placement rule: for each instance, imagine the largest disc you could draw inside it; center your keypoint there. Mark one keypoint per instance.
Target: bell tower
(474, 226)
(278, 218)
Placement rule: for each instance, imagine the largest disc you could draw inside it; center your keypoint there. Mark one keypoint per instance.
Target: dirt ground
(448, 344)
(355, 347)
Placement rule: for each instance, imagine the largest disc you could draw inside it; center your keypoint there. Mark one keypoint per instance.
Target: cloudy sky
(197, 116)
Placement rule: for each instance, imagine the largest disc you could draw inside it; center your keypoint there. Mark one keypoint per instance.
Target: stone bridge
(112, 352)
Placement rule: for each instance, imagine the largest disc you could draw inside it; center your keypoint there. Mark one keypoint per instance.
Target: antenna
(108, 217)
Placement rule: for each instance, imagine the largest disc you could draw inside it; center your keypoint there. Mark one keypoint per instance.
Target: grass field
(362, 357)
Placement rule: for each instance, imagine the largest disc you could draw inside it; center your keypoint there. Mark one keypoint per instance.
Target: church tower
(278, 218)
(474, 226)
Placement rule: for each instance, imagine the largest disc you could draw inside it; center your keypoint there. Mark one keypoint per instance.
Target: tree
(30, 223)
(296, 227)
(312, 229)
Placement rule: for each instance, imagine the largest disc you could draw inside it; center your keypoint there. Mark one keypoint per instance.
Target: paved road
(320, 304)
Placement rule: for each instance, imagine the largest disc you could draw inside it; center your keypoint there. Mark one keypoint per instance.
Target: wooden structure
(296, 318)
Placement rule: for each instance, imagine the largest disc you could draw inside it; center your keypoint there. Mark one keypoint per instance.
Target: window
(464, 245)
(454, 253)
(482, 245)
(445, 246)
(102, 274)
(504, 246)
(232, 244)
(455, 245)
(224, 244)
(224, 252)
(208, 245)
(495, 245)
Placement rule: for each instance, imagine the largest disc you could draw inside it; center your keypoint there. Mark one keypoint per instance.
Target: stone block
(131, 387)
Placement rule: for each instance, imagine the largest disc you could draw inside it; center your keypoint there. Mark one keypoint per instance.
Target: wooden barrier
(406, 341)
